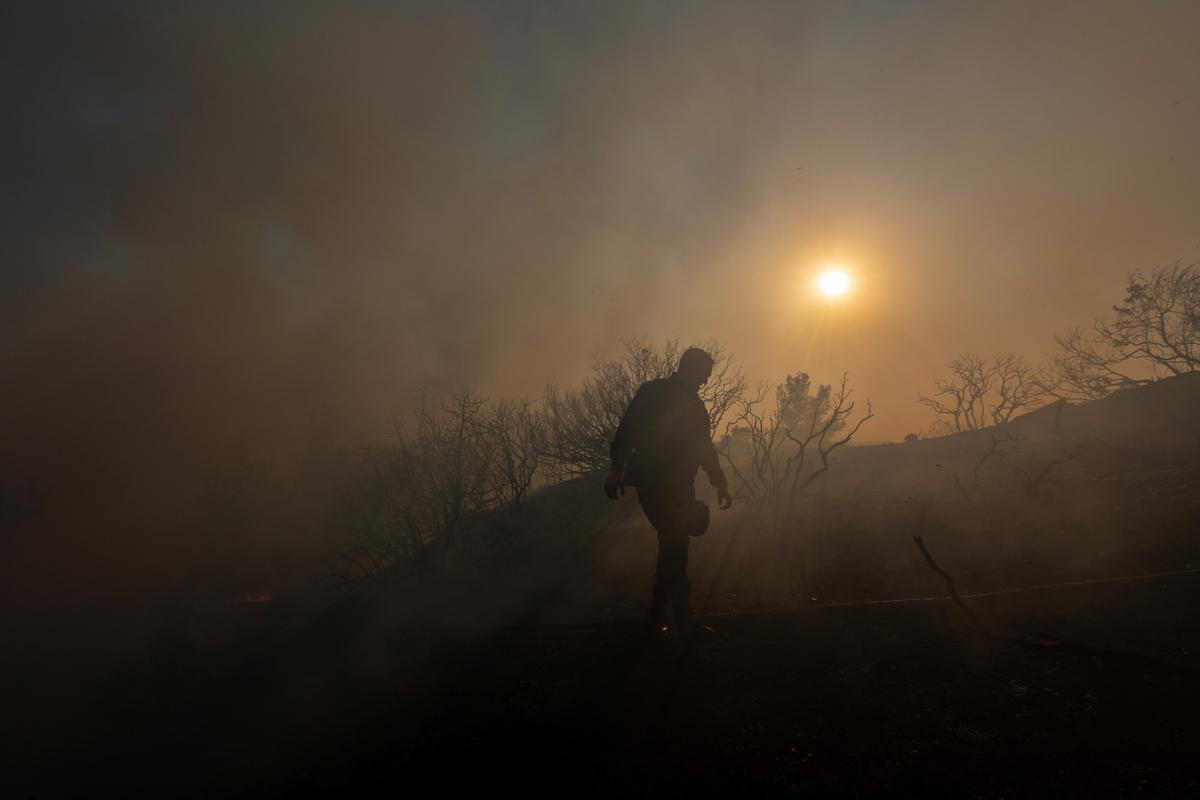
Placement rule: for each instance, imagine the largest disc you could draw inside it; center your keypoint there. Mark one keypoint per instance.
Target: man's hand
(614, 483)
(724, 498)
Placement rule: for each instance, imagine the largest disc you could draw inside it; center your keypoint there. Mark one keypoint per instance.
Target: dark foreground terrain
(900, 699)
(830, 662)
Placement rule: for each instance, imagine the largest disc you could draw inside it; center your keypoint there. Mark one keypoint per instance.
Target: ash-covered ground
(529, 670)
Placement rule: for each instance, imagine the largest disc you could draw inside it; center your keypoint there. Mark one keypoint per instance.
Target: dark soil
(899, 699)
(481, 678)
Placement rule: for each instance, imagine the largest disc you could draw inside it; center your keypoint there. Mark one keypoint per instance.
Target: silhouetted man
(663, 438)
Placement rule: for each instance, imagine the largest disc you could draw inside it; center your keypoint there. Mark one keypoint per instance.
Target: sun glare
(833, 283)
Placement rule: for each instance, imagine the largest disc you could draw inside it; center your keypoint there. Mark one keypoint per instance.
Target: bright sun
(833, 283)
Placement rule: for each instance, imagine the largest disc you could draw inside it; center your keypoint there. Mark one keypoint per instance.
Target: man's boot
(656, 616)
(681, 611)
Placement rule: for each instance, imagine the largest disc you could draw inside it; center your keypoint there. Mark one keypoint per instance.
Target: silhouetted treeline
(1154, 332)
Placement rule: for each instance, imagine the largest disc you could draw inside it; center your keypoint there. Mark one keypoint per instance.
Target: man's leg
(665, 507)
(681, 600)
(671, 583)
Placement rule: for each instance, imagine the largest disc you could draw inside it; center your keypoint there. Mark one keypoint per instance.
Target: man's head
(695, 366)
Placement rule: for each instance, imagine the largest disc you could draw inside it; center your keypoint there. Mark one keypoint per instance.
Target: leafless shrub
(994, 451)
(767, 450)
(418, 490)
(979, 394)
(512, 435)
(1032, 482)
(1155, 334)
(579, 424)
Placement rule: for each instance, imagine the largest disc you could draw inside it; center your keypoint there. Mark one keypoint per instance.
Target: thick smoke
(239, 236)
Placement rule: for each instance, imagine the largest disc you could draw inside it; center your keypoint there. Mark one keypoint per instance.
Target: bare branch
(579, 424)
(768, 453)
(978, 394)
(1155, 333)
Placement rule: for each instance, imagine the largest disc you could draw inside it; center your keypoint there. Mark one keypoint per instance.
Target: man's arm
(622, 445)
(710, 462)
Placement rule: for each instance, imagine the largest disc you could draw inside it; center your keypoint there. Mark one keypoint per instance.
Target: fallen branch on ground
(1039, 643)
(951, 590)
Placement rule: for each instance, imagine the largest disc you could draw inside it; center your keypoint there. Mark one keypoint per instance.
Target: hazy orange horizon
(246, 226)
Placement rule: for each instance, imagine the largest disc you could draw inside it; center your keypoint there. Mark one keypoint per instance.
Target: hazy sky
(246, 221)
